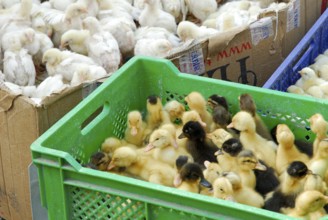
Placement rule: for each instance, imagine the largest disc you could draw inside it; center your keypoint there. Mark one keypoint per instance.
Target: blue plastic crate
(313, 43)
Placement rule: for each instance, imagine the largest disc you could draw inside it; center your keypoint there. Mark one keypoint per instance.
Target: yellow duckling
(156, 115)
(142, 166)
(222, 189)
(164, 147)
(315, 182)
(212, 171)
(243, 194)
(175, 110)
(319, 126)
(110, 144)
(309, 205)
(218, 136)
(135, 130)
(246, 103)
(197, 102)
(264, 149)
(287, 152)
(247, 162)
(319, 163)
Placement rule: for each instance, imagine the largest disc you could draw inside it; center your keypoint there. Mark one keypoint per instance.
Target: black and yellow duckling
(309, 205)
(220, 111)
(246, 103)
(98, 161)
(190, 176)
(198, 145)
(292, 184)
(227, 154)
(156, 115)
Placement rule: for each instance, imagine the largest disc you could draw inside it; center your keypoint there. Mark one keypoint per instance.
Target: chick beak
(205, 183)
(202, 123)
(230, 198)
(111, 166)
(149, 147)
(260, 166)
(182, 135)
(63, 45)
(134, 131)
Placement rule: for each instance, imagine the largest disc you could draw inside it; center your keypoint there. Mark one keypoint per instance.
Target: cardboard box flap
(7, 100)
(187, 46)
(219, 41)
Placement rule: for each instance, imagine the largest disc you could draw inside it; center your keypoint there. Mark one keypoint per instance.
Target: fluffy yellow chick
(319, 163)
(319, 126)
(222, 189)
(75, 40)
(175, 110)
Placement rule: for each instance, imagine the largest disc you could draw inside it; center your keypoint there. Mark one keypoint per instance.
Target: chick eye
(221, 190)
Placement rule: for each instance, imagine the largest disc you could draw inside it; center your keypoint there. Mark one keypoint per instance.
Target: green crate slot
(70, 191)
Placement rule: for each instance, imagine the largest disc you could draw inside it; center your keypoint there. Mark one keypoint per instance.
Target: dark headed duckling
(246, 103)
(291, 186)
(98, 161)
(190, 177)
(220, 112)
(198, 145)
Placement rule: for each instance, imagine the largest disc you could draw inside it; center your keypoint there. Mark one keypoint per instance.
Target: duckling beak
(149, 147)
(230, 125)
(182, 135)
(63, 45)
(134, 131)
(219, 152)
(202, 123)
(260, 166)
(177, 180)
(205, 183)
(230, 198)
(111, 166)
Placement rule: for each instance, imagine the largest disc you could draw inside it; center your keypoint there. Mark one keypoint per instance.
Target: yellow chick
(110, 144)
(315, 182)
(135, 130)
(197, 102)
(263, 148)
(309, 205)
(287, 152)
(142, 166)
(75, 40)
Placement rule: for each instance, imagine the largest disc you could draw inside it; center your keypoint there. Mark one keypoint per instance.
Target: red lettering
(234, 50)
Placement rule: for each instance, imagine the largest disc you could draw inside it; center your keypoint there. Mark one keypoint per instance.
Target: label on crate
(261, 30)
(193, 62)
(294, 16)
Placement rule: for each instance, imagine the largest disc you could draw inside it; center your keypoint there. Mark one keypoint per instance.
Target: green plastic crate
(70, 191)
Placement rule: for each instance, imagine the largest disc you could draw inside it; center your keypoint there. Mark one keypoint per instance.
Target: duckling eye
(221, 190)
(156, 139)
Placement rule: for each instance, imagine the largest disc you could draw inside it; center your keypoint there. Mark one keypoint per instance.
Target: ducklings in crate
(247, 169)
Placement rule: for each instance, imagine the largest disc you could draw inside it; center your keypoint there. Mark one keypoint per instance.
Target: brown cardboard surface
(252, 54)
(20, 125)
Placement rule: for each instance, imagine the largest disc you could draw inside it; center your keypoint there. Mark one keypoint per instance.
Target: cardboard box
(21, 122)
(249, 55)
